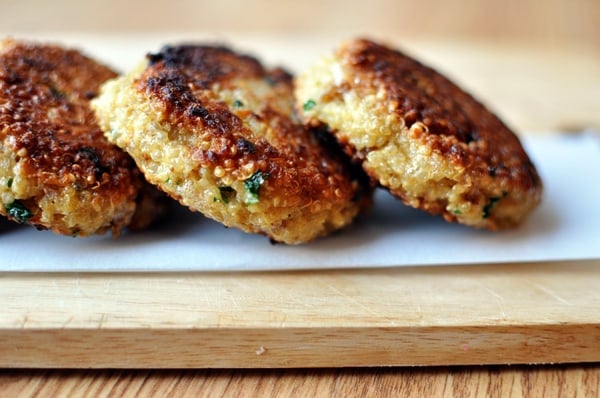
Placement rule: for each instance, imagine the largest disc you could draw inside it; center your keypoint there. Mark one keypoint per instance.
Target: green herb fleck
(114, 134)
(18, 212)
(56, 93)
(252, 186)
(308, 105)
(487, 209)
(237, 104)
(271, 80)
(457, 212)
(227, 194)
(168, 180)
(9, 182)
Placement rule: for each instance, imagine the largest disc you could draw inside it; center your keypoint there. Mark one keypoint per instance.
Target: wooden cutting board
(488, 314)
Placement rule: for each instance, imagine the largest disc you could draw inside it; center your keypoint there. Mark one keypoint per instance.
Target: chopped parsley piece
(237, 104)
(457, 212)
(9, 182)
(18, 212)
(252, 199)
(227, 194)
(114, 134)
(271, 80)
(308, 105)
(252, 186)
(487, 209)
(56, 93)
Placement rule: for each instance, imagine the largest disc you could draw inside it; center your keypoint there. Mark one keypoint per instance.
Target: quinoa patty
(217, 131)
(420, 136)
(57, 171)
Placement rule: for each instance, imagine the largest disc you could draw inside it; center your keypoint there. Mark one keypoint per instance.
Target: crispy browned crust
(447, 120)
(46, 119)
(182, 78)
(482, 142)
(299, 171)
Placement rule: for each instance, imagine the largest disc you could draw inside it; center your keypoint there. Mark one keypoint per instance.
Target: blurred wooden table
(534, 381)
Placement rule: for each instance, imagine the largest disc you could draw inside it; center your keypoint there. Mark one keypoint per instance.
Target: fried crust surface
(57, 171)
(419, 135)
(217, 131)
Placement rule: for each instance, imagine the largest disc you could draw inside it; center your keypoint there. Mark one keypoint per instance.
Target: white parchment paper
(565, 227)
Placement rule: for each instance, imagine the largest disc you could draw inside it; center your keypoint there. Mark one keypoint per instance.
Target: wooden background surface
(544, 22)
(557, 28)
(474, 382)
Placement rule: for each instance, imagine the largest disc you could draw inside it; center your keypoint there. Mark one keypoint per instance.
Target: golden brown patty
(420, 136)
(57, 170)
(217, 131)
